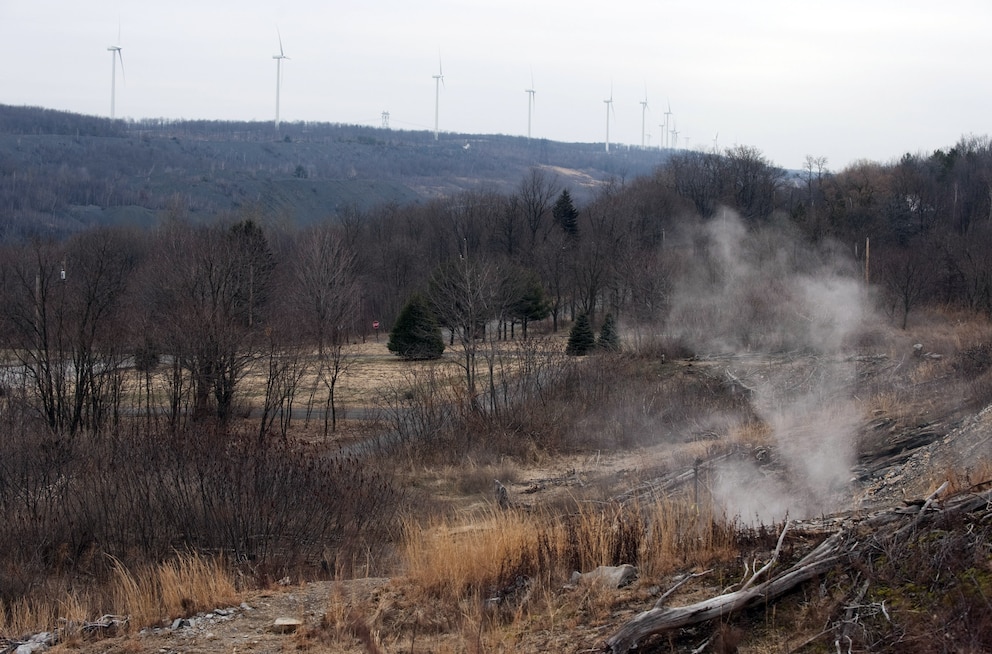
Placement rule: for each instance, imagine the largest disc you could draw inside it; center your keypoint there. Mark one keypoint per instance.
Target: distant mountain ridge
(60, 171)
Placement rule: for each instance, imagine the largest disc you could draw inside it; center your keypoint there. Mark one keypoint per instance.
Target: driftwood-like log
(659, 620)
(891, 526)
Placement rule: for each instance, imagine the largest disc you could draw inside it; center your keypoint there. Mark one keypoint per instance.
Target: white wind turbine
(667, 128)
(438, 81)
(609, 110)
(115, 55)
(644, 113)
(279, 57)
(530, 101)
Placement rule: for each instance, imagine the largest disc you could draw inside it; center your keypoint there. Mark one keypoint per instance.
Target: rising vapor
(780, 315)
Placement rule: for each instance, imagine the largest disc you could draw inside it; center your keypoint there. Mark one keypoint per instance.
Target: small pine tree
(532, 303)
(565, 214)
(609, 339)
(416, 334)
(582, 339)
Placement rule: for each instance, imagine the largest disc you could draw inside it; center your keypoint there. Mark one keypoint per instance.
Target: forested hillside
(61, 172)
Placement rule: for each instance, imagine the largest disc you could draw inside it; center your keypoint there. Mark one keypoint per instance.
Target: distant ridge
(62, 171)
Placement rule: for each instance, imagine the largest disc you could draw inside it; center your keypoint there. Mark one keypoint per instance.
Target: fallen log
(857, 535)
(659, 620)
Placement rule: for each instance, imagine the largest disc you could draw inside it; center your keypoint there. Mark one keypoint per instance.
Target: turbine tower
(115, 55)
(667, 128)
(644, 113)
(438, 81)
(530, 102)
(609, 109)
(279, 57)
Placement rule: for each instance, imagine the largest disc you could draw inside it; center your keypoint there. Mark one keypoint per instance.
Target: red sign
(375, 324)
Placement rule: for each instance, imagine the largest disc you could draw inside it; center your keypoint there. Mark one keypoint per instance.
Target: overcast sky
(845, 79)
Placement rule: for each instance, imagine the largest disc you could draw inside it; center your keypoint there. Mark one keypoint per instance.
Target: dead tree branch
(658, 620)
(858, 534)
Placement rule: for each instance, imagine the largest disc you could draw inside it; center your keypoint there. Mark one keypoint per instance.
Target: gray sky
(843, 79)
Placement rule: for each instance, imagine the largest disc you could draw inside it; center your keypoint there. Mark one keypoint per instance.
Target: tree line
(200, 304)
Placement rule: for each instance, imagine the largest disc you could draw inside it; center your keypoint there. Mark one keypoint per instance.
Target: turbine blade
(120, 58)
(279, 34)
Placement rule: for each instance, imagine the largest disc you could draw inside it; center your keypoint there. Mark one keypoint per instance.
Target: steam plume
(780, 315)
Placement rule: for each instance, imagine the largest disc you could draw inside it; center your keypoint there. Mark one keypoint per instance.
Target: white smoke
(780, 315)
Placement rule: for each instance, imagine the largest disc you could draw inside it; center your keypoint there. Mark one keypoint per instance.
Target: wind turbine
(716, 143)
(279, 57)
(667, 129)
(530, 101)
(438, 81)
(644, 113)
(115, 55)
(609, 109)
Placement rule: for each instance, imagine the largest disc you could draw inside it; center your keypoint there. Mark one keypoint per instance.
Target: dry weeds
(177, 588)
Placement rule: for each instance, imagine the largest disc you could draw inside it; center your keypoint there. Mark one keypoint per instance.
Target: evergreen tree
(565, 214)
(609, 339)
(416, 334)
(531, 302)
(582, 339)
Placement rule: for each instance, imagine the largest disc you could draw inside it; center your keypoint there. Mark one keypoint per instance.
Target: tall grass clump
(448, 559)
(178, 588)
(495, 555)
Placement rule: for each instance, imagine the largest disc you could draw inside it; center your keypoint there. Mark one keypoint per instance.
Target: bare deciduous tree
(465, 294)
(327, 298)
(212, 285)
(64, 320)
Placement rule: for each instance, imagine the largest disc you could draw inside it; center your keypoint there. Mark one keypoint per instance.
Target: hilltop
(62, 172)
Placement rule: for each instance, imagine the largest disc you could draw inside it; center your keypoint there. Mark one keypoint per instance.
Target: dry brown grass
(449, 559)
(490, 580)
(452, 559)
(177, 588)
